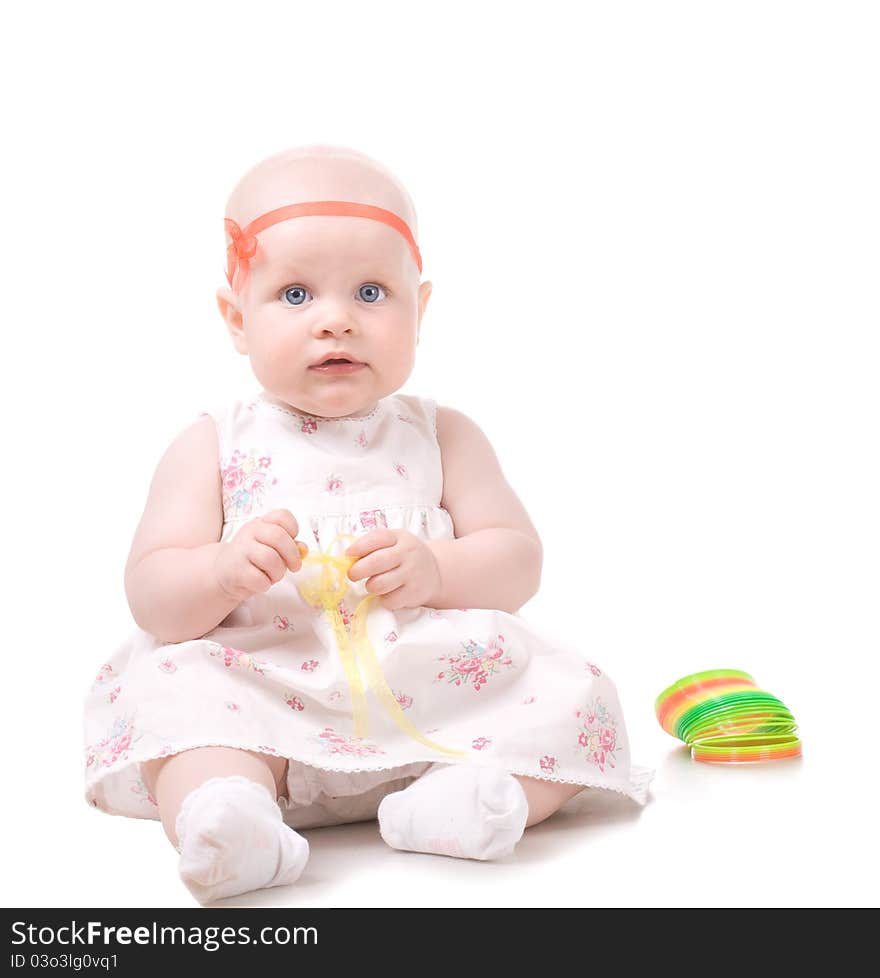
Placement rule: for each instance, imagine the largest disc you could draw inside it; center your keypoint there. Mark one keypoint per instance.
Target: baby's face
(330, 286)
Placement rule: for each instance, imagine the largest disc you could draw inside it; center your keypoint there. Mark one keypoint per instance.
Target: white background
(653, 236)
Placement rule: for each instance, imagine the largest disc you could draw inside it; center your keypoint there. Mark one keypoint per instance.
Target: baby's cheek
(277, 355)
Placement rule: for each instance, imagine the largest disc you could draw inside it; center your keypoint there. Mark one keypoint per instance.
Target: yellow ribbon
(328, 594)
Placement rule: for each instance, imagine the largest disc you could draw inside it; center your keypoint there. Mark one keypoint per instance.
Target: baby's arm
(170, 577)
(495, 560)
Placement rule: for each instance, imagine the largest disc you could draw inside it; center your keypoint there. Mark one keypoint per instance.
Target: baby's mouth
(337, 365)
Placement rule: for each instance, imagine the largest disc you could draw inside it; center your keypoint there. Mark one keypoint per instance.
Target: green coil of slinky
(723, 716)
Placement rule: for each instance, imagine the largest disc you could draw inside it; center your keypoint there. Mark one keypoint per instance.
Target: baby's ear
(424, 294)
(227, 302)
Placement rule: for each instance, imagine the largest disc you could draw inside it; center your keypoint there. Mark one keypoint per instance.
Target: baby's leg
(171, 779)
(545, 797)
(219, 808)
(475, 813)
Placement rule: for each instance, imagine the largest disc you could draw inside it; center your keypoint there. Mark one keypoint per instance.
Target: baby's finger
(384, 583)
(268, 560)
(374, 540)
(278, 539)
(283, 518)
(255, 580)
(374, 563)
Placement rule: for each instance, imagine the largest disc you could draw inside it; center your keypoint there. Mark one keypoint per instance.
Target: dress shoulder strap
(231, 418)
(420, 409)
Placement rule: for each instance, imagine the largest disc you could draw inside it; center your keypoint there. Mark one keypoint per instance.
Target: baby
(376, 667)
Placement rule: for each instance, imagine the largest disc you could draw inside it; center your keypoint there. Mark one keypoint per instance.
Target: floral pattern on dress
(104, 674)
(403, 701)
(548, 764)
(115, 746)
(481, 743)
(241, 660)
(373, 519)
(597, 736)
(476, 665)
(141, 790)
(332, 742)
(282, 623)
(333, 484)
(244, 479)
(294, 702)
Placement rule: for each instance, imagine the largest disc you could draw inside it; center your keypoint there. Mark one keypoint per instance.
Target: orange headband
(243, 246)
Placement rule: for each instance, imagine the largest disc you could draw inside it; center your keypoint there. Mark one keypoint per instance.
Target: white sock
(232, 839)
(456, 810)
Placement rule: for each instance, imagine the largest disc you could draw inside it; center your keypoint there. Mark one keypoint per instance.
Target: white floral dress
(460, 686)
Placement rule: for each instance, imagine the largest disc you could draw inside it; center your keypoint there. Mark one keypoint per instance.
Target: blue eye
(294, 294)
(369, 291)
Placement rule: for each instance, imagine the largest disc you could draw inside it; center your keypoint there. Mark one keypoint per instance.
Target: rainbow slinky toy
(723, 717)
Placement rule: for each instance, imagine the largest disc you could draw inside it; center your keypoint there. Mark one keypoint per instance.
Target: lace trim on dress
(637, 787)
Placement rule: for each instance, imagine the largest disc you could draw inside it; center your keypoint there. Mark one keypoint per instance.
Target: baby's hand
(400, 566)
(259, 555)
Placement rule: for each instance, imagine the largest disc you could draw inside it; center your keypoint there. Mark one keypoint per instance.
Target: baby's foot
(456, 810)
(232, 839)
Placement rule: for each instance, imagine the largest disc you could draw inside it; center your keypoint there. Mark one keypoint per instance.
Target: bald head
(318, 172)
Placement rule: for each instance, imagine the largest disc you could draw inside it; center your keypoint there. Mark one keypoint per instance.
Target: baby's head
(324, 285)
